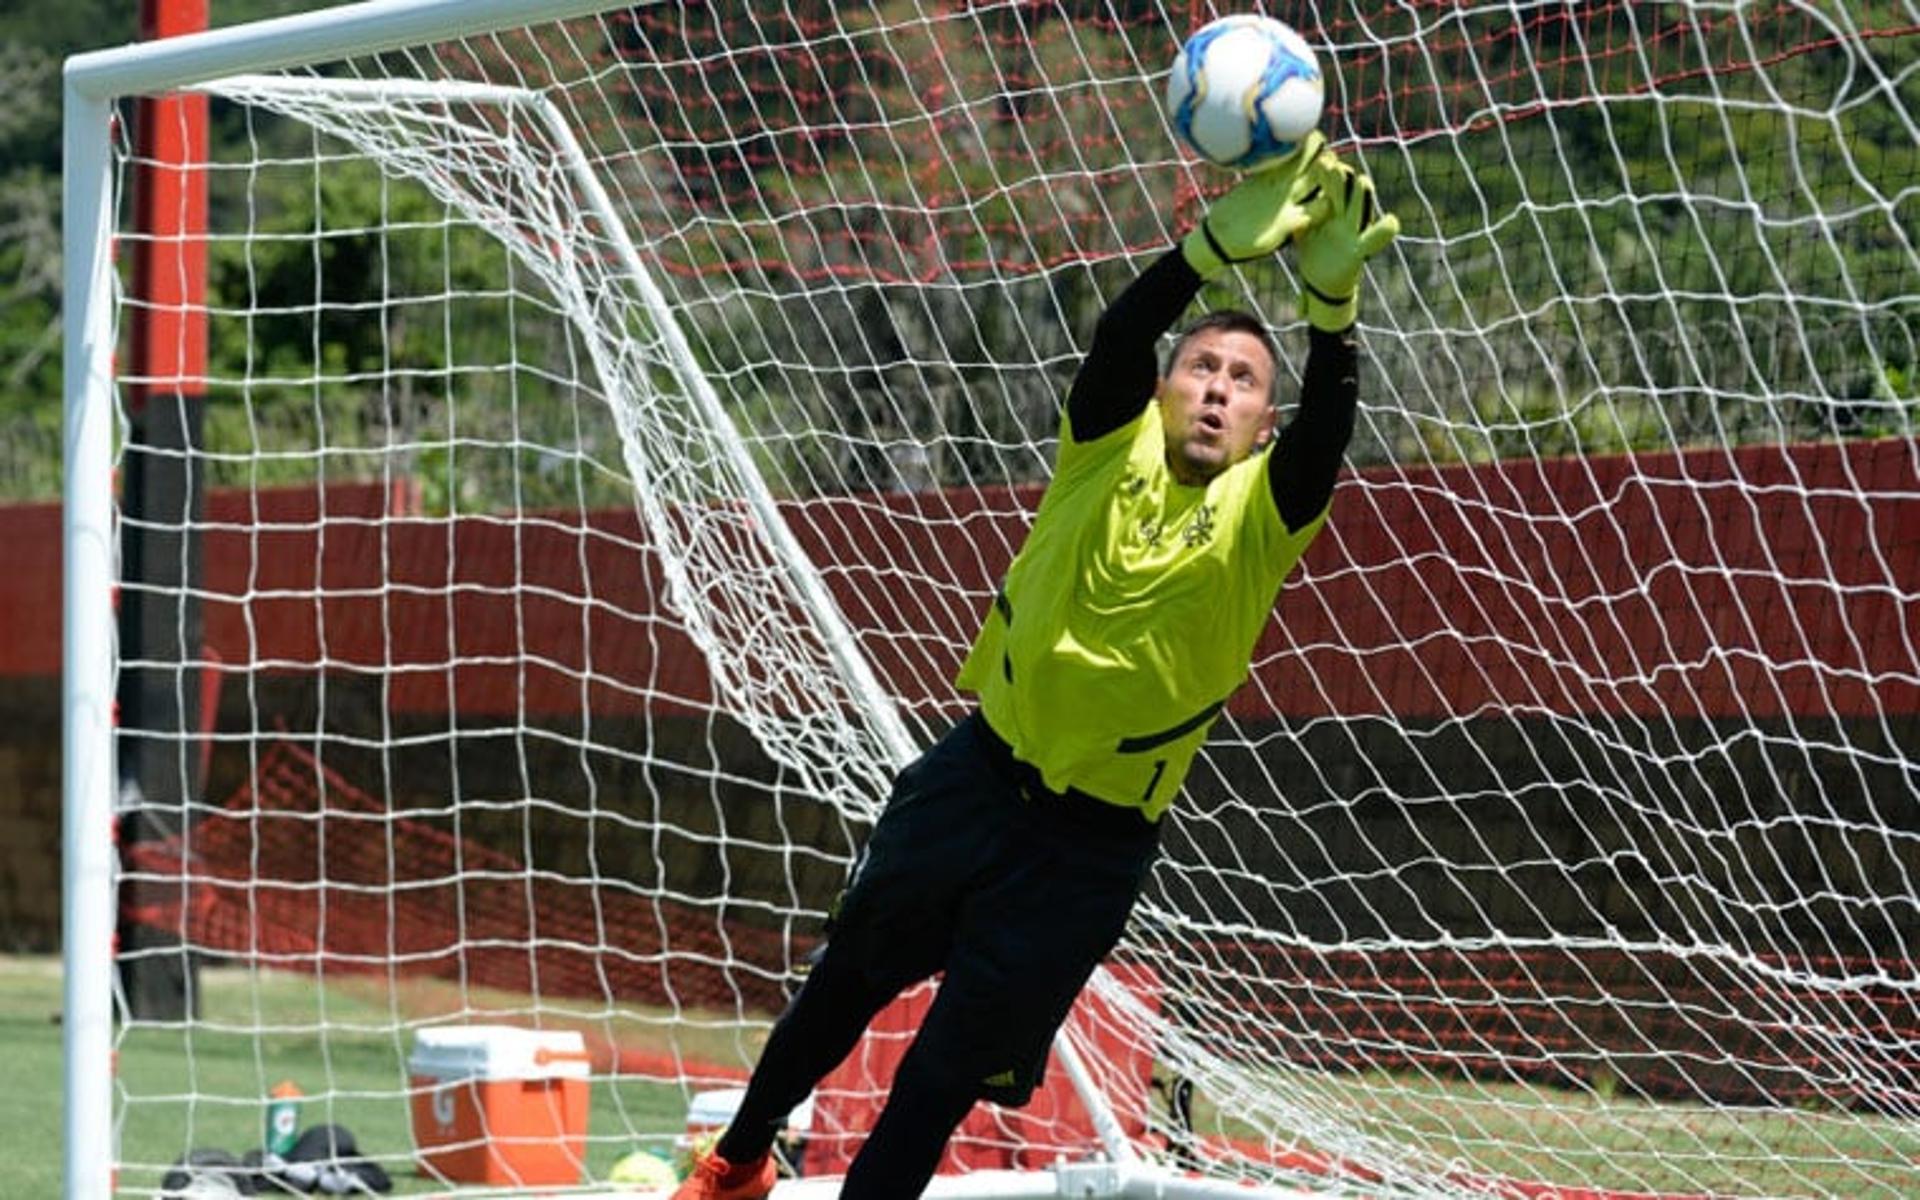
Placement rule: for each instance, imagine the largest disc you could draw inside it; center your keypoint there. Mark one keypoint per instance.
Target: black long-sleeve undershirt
(1122, 371)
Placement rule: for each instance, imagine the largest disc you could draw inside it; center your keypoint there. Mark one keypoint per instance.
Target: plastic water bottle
(283, 1118)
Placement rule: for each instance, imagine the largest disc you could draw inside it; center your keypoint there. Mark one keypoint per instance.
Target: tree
(30, 259)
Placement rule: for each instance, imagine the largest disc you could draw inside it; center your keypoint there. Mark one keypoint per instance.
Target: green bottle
(283, 1118)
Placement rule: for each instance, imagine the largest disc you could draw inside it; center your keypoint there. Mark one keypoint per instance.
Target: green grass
(1522, 1134)
(206, 1088)
(355, 1077)
(30, 1046)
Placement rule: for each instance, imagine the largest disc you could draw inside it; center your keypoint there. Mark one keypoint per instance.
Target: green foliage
(906, 191)
(1740, 263)
(1719, 249)
(888, 230)
(30, 256)
(30, 333)
(371, 331)
(34, 40)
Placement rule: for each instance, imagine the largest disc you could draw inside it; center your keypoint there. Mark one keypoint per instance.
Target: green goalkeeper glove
(1346, 227)
(1257, 217)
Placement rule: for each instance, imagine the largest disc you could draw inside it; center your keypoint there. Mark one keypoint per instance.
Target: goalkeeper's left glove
(1258, 216)
(1347, 228)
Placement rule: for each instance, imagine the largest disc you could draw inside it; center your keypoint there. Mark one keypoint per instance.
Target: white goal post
(616, 421)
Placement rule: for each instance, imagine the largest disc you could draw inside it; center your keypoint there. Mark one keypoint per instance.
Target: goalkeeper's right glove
(1258, 216)
(1347, 228)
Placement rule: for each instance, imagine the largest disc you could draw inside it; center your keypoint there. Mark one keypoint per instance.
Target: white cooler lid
(498, 1052)
(715, 1109)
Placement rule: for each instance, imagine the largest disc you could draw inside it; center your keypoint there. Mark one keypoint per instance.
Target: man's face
(1215, 403)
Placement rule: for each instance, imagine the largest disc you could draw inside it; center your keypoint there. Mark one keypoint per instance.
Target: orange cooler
(500, 1105)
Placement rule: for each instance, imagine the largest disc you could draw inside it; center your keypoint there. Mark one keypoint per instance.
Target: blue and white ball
(1244, 91)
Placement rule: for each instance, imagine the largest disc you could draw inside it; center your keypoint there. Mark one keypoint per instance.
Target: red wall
(1752, 583)
(1757, 582)
(30, 591)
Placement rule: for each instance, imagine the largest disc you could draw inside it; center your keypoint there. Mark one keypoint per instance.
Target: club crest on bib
(1199, 527)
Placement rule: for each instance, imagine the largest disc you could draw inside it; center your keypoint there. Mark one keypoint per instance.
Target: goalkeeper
(1010, 854)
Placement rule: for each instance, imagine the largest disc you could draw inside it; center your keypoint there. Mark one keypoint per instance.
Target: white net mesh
(614, 432)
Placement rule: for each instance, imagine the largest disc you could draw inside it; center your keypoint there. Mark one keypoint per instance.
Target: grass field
(359, 1069)
(1523, 1137)
(1468, 1128)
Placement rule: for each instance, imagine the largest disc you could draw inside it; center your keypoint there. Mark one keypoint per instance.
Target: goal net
(613, 430)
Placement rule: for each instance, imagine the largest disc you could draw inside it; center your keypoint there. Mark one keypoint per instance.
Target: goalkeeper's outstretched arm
(1307, 453)
(1122, 368)
(1346, 227)
(1121, 371)
(1249, 223)
(1329, 211)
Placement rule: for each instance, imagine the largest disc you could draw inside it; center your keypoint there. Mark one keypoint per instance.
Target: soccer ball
(1244, 91)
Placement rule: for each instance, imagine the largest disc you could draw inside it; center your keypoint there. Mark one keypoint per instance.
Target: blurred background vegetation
(34, 40)
(1627, 226)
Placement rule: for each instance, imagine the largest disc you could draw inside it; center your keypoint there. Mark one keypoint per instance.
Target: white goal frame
(91, 83)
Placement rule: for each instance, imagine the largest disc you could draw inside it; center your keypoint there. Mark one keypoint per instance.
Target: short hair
(1232, 320)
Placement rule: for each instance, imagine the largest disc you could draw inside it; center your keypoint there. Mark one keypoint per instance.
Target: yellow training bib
(1130, 615)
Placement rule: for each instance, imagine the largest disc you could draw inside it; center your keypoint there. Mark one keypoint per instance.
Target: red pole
(169, 350)
(162, 487)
